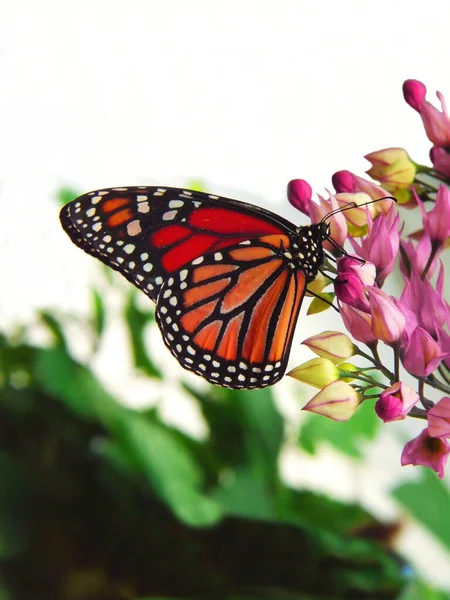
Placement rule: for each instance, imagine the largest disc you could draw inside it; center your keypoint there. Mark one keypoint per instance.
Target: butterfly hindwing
(230, 316)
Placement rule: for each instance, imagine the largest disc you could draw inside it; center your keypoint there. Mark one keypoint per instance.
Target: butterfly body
(228, 278)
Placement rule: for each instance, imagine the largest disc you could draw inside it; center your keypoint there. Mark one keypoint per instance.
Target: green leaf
(14, 508)
(345, 437)
(318, 305)
(66, 194)
(419, 590)
(246, 494)
(54, 326)
(76, 386)
(428, 501)
(174, 474)
(263, 422)
(137, 320)
(98, 313)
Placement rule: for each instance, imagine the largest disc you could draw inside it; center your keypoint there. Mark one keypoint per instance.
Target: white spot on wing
(134, 227)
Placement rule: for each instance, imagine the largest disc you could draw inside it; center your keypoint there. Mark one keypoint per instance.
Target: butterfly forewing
(226, 290)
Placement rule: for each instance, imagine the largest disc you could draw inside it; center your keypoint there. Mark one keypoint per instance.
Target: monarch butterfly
(228, 278)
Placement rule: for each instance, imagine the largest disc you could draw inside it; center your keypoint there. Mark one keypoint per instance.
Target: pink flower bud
(439, 419)
(414, 93)
(358, 323)
(396, 402)
(423, 354)
(436, 222)
(428, 451)
(441, 160)
(435, 122)
(337, 401)
(299, 194)
(353, 275)
(318, 372)
(344, 182)
(388, 322)
(333, 345)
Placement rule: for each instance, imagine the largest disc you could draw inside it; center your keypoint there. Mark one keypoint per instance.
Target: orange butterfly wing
(230, 317)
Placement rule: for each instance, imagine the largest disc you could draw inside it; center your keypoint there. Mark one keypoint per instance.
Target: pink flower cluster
(416, 324)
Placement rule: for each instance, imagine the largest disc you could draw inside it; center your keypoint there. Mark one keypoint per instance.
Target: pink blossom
(423, 354)
(415, 258)
(435, 122)
(353, 275)
(358, 323)
(410, 323)
(441, 160)
(396, 402)
(388, 322)
(436, 222)
(439, 419)
(338, 224)
(426, 303)
(427, 451)
(381, 244)
(299, 194)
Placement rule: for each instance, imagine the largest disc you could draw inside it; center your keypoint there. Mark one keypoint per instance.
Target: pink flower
(410, 323)
(388, 322)
(358, 323)
(299, 194)
(436, 222)
(353, 275)
(381, 245)
(423, 354)
(338, 224)
(426, 303)
(337, 401)
(415, 258)
(441, 160)
(396, 402)
(435, 122)
(439, 419)
(427, 451)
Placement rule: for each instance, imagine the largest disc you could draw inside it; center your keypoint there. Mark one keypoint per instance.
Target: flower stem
(443, 372)
(433, 253)
(432, 381)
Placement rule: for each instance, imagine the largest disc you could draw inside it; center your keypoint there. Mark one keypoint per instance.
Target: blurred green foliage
(101, 502)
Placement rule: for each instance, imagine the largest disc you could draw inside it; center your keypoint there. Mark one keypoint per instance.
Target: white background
(243, 95)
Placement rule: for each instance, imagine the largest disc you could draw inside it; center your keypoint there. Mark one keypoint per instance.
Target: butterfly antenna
(351, 205)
